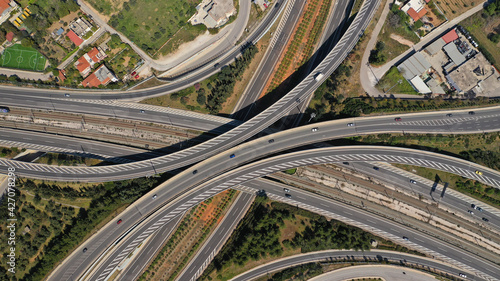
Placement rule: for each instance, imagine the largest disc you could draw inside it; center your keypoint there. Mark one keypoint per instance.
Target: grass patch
(291, 171)
(193, 230)
(21, 57)
(396, 23)
(272, 230)
(394, 82)
(479, 28)
(6, 152)
(164, 21)
(66, 160)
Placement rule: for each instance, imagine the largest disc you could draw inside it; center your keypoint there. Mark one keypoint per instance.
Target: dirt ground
(298, 55)
(401, 40)
(454, 8)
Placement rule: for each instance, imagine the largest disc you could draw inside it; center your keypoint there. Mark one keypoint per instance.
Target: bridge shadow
(294, 79)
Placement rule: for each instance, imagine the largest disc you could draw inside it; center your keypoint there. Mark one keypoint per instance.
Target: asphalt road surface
(258, 169)
(344, 274)
(430, 122)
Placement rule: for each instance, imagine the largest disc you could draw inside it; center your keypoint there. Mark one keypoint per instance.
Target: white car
(154, 196)
(314, 129)
(462, 275)
(350, 124)
(413, 181)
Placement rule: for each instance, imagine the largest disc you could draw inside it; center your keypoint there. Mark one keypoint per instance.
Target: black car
(84, 250)
(471, 113)
(376, 168)
(486, 220)
(288, 195)
(271, 140)
(195, 171)
(449, 115)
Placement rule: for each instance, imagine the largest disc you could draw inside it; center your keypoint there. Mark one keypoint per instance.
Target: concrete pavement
(371, 75)
(387, 272)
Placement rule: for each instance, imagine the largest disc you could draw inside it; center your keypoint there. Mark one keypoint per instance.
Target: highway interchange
(223, 168)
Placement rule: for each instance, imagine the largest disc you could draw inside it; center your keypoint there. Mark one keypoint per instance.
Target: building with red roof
(74, 38)
(416, 15)
(450, 36)
(4, 6)
(87, 61)
(10, 36)
(62, 75)
(102, 76)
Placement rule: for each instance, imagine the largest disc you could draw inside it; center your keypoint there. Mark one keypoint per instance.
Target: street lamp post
(399, 82)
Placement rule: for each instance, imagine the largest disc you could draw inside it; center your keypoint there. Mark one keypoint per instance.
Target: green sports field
(21, 57)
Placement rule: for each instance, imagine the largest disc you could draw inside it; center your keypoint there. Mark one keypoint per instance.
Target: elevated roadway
(484, 120)
(264, 167)
(337, 255)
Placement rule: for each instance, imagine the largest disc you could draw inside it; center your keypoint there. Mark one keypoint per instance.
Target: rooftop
(74, 38)
(477, 74)
(450, 36)
(455, 55)
(415, 65)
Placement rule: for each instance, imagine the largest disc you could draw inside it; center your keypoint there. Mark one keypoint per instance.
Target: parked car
(133, 73)
(137, 76)
(119, 221)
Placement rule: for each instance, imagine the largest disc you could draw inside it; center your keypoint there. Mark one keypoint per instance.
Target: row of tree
(224, 83)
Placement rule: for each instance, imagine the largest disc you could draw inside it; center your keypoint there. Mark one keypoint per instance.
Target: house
(412, 69)
(6, 6)
(416, 15)
(102, 76)
(80, 26)
(62, 75)
(10, 36)
(74, 38)
(88, 60)
(213, 13)
(450, 36)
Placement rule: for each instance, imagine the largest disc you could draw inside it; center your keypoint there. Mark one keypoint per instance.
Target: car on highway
(142, 111)
(479, 173)
(66, 95)
(476, 207)
(195, 171)
(345, 163)
(84, 250)
(479, 209)
(286, 190)
(397, 119)
(232, 156)
(315, 129)
(462, 275)
(486, 220)
(413, 181)
(288, 195)
(297, 100)
(270, 141)
(449, 115)
(376, 168)
(470, 212)
(216, 65)
(154, 196)
(350, 124)
(406, 238)
(119, 221)
(4, 109)
(471, 113)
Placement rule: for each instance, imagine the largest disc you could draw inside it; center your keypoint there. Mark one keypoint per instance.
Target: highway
(222, 142)
(336, 255)
(401, 180)
(429, 122)
(261, 168)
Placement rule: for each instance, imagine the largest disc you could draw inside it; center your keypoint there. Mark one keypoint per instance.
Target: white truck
(318, 76)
